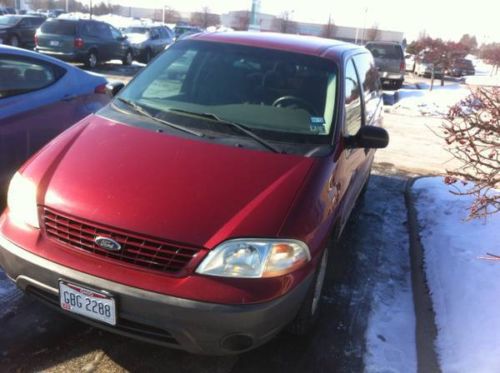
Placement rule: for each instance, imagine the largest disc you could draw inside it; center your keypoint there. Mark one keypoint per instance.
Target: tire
(14, 41)
(91, 60)
(398, 84)
(148, 55)
(310, 308)
(128, 58)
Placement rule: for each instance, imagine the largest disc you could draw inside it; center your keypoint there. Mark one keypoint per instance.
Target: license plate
(89, 303)
(54, 43)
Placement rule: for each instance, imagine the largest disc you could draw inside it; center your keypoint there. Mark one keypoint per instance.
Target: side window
(115, 34)
(102, 30)
(154, 33)
(18, 76)
(352, 101)
(370, 83)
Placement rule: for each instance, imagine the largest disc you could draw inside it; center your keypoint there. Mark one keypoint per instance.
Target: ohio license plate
(89, 303)
(54, 43)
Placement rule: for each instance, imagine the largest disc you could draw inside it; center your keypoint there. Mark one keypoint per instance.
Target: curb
(425, 328)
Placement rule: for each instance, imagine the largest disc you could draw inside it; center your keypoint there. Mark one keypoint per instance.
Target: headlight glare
(21, 200)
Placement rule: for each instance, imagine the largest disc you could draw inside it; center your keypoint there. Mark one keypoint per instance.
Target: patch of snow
(390, 334)
(465, 288)
(430, 103)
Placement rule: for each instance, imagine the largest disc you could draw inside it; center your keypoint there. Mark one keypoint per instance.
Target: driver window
(352, 122)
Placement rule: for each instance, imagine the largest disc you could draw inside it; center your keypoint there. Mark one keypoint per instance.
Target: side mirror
(112, 88)
(369, 137)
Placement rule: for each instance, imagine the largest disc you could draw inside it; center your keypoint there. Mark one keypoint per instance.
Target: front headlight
(255, 258)
(21, 200)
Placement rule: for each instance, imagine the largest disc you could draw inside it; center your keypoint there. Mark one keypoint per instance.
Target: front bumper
(198, 327)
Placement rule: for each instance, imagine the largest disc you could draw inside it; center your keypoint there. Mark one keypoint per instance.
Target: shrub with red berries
(472, 132)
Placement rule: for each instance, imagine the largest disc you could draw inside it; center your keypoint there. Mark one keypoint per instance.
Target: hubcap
(129, 58)
(319, 282)
(92, 60)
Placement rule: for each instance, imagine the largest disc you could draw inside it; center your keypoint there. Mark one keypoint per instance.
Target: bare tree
(284, 24)
(205, 18)
(329, 29)
(242, 21)
(372, 33)
(472, 132)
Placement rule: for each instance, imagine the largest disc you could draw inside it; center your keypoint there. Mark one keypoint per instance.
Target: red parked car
(195, 209)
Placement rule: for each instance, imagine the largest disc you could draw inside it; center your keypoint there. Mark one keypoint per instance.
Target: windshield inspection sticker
(318, 125)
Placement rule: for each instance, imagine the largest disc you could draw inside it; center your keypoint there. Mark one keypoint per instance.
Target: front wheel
(127, 60)
(309, 310)
(14, 41)
(91, 60)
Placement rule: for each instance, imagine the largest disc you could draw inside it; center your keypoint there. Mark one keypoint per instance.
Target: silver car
(148, 41)
(390, 61)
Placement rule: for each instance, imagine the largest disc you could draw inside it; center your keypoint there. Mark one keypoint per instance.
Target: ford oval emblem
(107, 243)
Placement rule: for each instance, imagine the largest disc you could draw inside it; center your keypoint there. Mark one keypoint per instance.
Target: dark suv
(84, 41)
(18, 31)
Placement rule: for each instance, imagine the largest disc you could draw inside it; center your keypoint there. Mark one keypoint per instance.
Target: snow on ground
(485, 75)
(465, 288)
(430, 103)
(390, 334)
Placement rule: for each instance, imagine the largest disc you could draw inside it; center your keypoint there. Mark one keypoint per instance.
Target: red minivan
(194, 210)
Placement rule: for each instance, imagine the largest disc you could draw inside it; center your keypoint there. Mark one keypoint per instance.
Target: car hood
(5, 28)
(179, 189)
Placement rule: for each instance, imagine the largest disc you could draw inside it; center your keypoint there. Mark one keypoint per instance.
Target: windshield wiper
(140, 110)
(241, 127)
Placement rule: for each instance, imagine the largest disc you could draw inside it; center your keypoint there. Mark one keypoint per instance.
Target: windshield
(136, 30)
(266, 90)
(391, 51)
(8, 20)
(59, 27)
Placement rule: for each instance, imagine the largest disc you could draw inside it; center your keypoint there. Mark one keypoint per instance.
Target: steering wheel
(285, 101)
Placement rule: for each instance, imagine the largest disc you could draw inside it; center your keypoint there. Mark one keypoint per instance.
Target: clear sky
(448, 19)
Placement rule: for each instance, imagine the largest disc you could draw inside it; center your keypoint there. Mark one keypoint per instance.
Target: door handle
(68, 98)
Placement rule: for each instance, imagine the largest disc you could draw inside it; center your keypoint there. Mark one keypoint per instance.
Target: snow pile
(390, 333)
(465, 288)
(113, 19)
(430, 103)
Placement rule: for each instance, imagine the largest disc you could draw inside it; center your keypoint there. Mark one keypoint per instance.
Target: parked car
(7, 11)
(87, 41)
(181, 31)
(424, 67)
(148, 41)
(39, 98)
(19, 31)
(410, 62)
(390, 61)
(54, 13)
(196, 210)
(461, 67)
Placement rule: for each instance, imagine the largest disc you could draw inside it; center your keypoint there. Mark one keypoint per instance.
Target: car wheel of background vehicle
(91, 61)
(309, 310)
(14, 41)
(127, 60)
